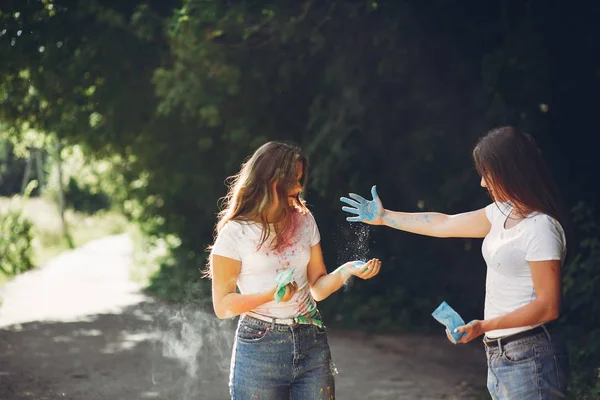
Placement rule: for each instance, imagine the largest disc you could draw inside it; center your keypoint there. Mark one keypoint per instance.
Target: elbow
(316, 295)
(553, 314)
(221, 313)
(551, 311)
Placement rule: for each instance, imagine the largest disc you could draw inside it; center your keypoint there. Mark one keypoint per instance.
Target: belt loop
(500, 346)
(272, 323)
(547, 332)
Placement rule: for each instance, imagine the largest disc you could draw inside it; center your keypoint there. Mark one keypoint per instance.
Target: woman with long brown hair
(524, 248)
(264, 233)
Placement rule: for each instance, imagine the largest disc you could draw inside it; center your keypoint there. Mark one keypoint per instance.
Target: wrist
(269, 295)
(384, 217)
(488, 325)
(344, 272)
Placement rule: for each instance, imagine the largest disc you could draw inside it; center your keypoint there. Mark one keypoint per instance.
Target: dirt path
(78, 329)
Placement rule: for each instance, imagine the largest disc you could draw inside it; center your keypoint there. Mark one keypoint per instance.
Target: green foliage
(15, 242)
(581, 307)
(47, 237)
(392, 93)
(182, 284)
(83, 198)
(12, 169)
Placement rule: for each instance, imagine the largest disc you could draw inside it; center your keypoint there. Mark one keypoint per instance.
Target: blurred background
(128, 115)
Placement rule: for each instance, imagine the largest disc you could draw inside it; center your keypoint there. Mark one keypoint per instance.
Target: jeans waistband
(279, 321)
(504, 340)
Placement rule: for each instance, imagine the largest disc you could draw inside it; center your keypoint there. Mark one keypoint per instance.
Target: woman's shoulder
(306, 216)
(498, 210)
(540, 221)
(233, 226)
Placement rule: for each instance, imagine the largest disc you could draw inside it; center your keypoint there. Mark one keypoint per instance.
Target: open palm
(367, 211)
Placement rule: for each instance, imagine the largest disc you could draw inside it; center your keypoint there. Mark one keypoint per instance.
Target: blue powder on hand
(445, 315)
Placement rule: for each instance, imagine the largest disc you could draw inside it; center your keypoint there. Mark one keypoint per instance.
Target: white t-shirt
(239, 240)
(509, 285)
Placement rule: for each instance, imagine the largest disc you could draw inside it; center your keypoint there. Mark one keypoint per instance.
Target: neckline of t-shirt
(507, 216)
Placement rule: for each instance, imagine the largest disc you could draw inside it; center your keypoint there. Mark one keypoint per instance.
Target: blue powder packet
(445, 315)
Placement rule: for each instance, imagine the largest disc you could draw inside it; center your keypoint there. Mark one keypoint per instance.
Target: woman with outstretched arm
(524, 248)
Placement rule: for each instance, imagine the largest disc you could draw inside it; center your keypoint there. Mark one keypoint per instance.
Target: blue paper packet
(445, 315)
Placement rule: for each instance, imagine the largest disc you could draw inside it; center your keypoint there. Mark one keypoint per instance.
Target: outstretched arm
(323, 284)
(473, 224)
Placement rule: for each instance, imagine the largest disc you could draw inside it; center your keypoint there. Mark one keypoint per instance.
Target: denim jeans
(533, 367)
(280, 362)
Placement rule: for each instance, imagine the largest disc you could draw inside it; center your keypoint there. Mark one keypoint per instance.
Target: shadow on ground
(146, 352)
(152, 351)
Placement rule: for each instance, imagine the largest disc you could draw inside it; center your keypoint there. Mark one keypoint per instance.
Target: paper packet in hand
(445, 315)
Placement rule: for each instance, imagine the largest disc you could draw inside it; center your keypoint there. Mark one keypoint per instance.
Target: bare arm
(544, 308)
(323, 284)
(226, 302)
(473, 224)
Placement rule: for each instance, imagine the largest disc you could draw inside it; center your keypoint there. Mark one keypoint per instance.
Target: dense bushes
(392, 93)
(581, 307)
(15, 243)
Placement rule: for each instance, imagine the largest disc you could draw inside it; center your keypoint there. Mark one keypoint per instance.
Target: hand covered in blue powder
(367, 211)
(445, 315)
(362, 269)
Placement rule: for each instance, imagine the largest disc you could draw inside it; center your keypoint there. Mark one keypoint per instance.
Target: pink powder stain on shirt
(290, 239)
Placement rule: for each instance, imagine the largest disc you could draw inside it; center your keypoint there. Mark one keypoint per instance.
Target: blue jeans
(280, 362)
(535, 367)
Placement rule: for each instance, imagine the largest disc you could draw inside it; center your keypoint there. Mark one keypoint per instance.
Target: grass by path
(48, 238)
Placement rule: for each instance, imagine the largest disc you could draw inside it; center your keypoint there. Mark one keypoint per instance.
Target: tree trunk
(27, 173)
(61, 194)
(39, 166)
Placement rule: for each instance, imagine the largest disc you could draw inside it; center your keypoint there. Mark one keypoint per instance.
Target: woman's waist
(286, 310)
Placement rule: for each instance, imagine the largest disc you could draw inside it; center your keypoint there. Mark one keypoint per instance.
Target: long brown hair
(250, 197)
(515, 170)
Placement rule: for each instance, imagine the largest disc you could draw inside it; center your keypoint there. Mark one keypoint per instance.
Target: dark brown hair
(515, 170)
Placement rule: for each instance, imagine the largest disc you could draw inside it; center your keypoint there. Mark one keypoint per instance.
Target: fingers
(374, 192)
(370, 269)
(358, 198)
(290, 290)
(465, 337)
(350, 201)
(354, 219)
(351, 210)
